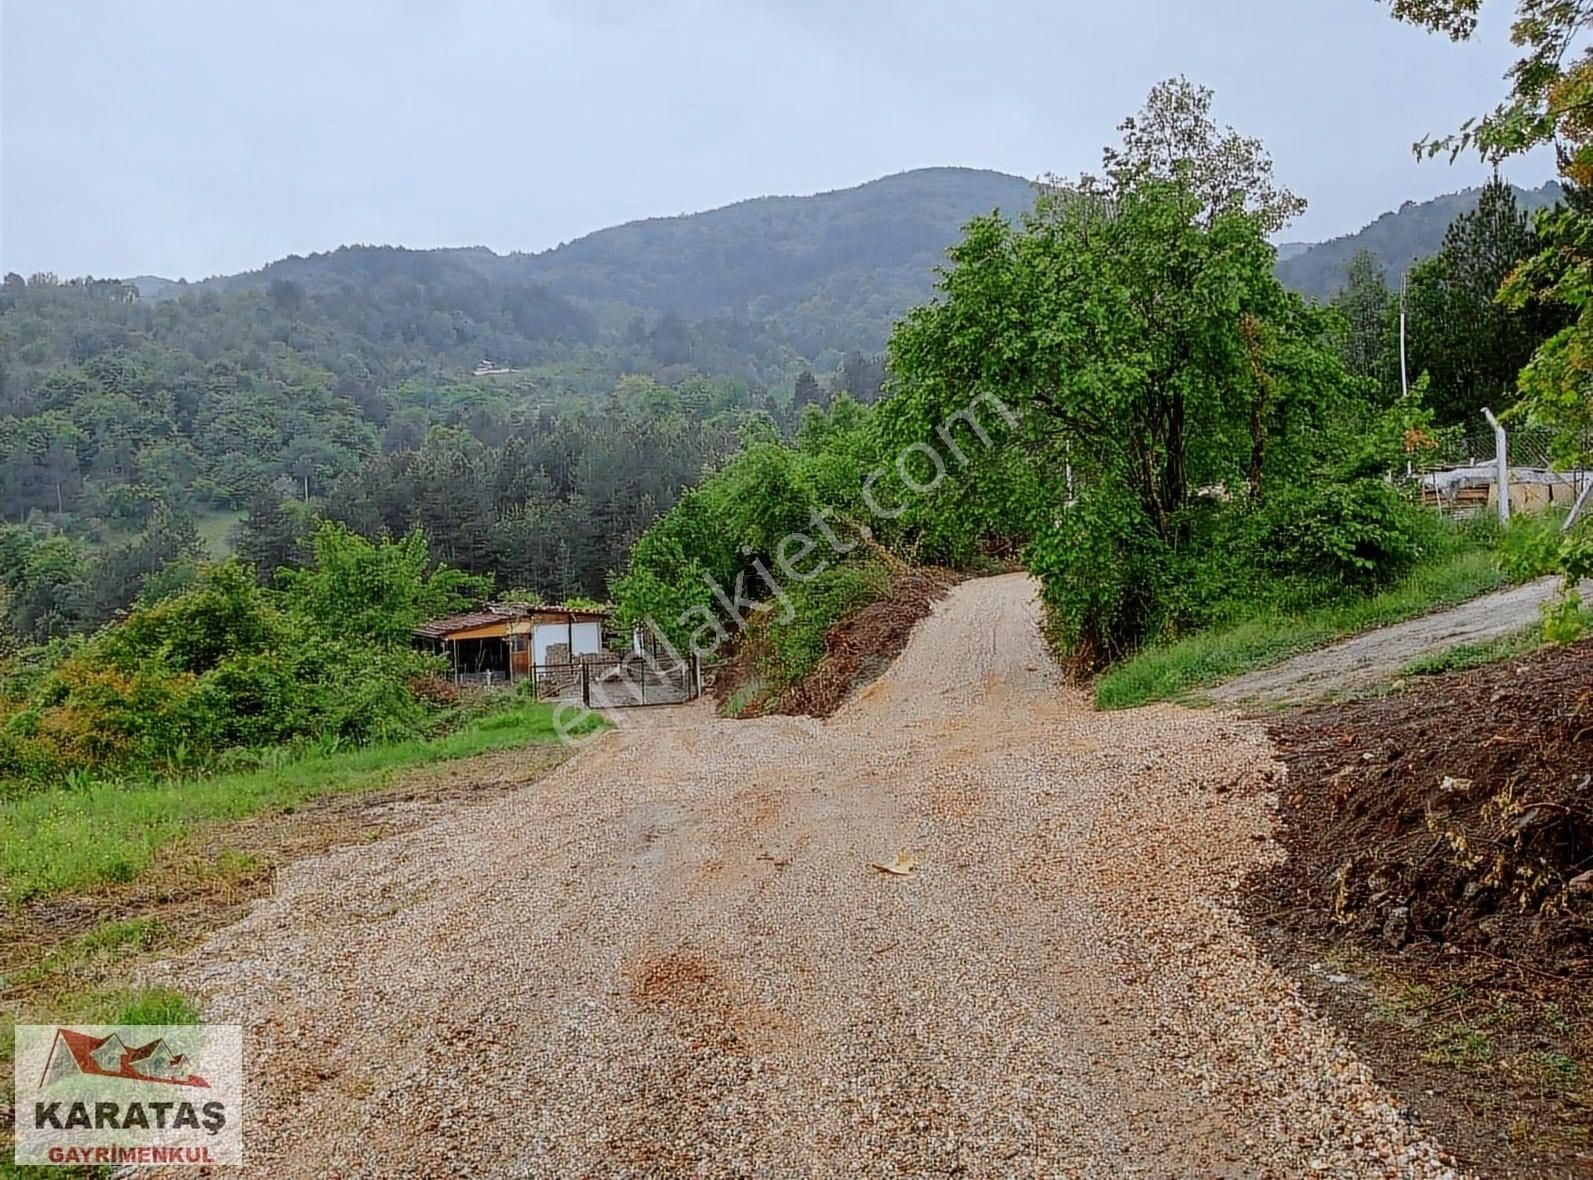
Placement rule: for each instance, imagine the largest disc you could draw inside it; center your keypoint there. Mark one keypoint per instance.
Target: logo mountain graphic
(108, 1057)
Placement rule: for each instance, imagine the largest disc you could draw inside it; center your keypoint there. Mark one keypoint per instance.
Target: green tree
(1369, 310)
(271, 536)
(377, 592)
(1472, 346)
(1150, 351)
(807, 391)
(1175, 138)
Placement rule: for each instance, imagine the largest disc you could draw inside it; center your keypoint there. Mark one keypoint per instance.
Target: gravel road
(672, 957)
(1378, 656)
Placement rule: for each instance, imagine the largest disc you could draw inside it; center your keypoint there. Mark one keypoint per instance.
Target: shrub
(1101, 567)
(796, 646)
(227, 665)
(1359, 533)
(1531, 546)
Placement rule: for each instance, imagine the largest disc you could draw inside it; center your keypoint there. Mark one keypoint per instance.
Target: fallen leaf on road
(900, 866)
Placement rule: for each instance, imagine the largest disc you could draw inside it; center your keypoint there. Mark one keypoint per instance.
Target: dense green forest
(140, 419)
(127, 423)
(743, 290)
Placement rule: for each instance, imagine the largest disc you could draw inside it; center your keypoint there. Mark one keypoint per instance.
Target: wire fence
(1458, 470)
(1529, 446)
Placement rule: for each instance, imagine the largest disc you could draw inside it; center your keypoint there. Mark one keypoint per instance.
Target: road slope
(672, 957)
(1377, 657)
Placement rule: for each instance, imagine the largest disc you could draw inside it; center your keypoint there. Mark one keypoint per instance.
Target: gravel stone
(673, 957)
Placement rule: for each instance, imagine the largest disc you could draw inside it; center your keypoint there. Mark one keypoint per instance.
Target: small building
(502, 642)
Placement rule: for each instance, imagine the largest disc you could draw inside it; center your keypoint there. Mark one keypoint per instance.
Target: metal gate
(614, 681)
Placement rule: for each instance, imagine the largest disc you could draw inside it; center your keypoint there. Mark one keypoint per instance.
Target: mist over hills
(824, 274)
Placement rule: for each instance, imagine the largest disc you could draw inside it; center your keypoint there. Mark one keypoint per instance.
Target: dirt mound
(863, 644)
(856, 650)
(1457, 812)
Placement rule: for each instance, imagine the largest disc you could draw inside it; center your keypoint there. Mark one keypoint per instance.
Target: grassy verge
(1169, 671)
(1476, 655)
(215, 532)
(76, 840)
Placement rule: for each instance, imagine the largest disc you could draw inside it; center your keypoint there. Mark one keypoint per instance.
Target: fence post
(1576, 509)
(586, 685)
(1501, 463)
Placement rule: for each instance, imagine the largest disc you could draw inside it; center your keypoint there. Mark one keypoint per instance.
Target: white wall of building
(587, 636)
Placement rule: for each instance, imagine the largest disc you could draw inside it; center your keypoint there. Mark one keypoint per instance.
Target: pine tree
(1366, 305)
(1470, 345)
(807, 391)
(270, 537)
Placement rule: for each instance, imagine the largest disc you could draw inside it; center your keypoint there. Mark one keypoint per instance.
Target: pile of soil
(863, 644)
(856, 649)
(1456, 813)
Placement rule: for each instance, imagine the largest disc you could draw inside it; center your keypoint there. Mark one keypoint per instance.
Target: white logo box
(129, 1095)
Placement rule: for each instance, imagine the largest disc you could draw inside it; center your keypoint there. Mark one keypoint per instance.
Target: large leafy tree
(1157, 368)
(1147, 349)
(378, 591)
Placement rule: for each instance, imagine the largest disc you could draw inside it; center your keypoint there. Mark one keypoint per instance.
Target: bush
(250, 700)
(227, 665)
(1101, 567)
(1359, 533)
(795, 647)
(1531, 546)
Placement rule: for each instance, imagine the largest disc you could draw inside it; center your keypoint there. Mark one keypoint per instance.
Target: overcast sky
(192, 138)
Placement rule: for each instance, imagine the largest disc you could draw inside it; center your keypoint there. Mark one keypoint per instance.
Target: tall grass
(78, 839)
(1266, 636)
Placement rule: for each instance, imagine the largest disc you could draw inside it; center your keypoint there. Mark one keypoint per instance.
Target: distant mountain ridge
(801, 276)
(1397, 239)
(828, 272)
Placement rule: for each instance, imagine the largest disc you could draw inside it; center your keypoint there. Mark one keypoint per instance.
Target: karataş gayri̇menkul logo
(123, 1095)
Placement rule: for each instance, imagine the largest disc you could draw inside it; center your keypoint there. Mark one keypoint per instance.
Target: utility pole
(1404, 376)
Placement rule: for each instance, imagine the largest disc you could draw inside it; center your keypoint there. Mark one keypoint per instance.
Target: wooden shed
(504, 641)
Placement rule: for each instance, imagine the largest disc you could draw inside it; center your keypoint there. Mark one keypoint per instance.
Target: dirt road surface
(672, 956)
(1376, 657)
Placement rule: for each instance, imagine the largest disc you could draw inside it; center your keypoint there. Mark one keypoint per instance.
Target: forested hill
(757, 288)
(821, 275)
(1397, 239)
(136, 414)
(835, 268)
